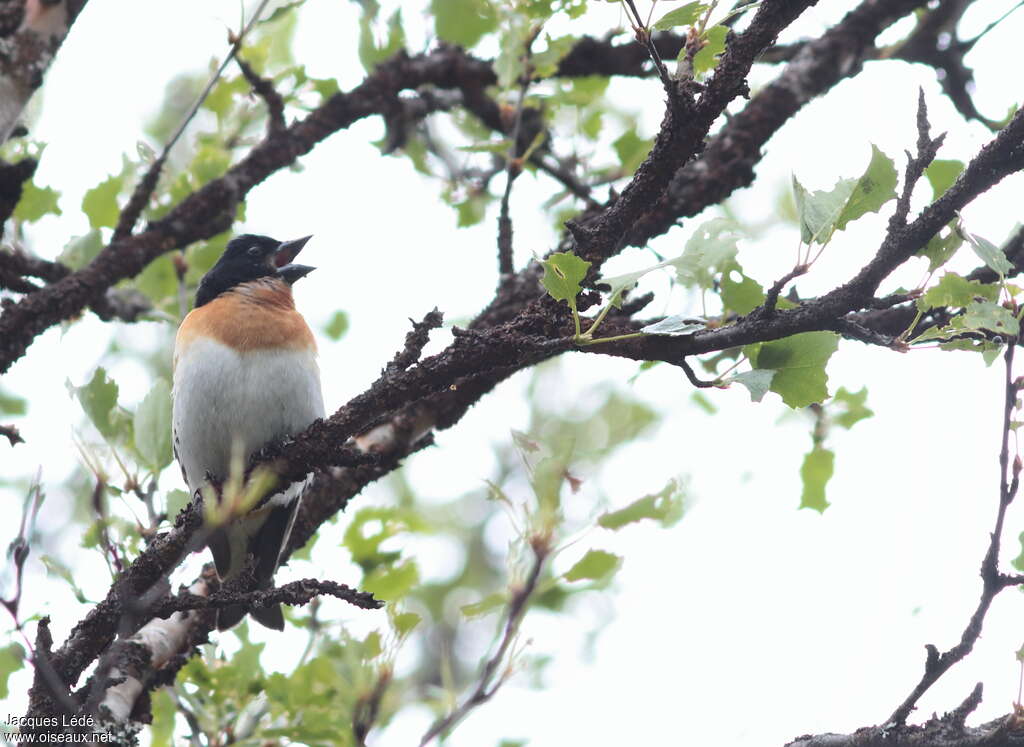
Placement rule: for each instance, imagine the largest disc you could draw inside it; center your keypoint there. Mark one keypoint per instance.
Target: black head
(250, 257)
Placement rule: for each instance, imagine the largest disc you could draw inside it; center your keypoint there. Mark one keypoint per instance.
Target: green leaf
(11, 404)
(545, 63)
(942, 174)
(709, 251)
(1018, 562)
(874, 188)
(98, 399)
(463, 22)
(817, 211)
(676, 326)
(665, 506)
(163, 708)
(940, 249)
(707, 58)
(153, 426)
(391, 583)
(370, 52)
(990, 254)
(954, 290)
(990, 316)
(209, 163)
(757, 382)
(100, 203)
(799, 362)
(815, 473)
(158, 281)
(36, 202)
(742, 295)
(490, 603)
(851, 406)
(338, 326)
(175, 500)
(12, 658)
(472, 210)
(82, 250)
(686, 15)
(631, 150)
(596, 565)
(405, 622)
(563, 273)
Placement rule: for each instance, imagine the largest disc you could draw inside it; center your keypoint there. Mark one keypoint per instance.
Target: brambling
(245, 373)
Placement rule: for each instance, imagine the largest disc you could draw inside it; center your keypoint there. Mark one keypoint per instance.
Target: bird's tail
(263, 535)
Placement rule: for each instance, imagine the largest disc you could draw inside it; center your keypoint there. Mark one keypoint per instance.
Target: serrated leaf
(596, 565)
(992, 317)
(707, 58)
(563, 273)
(799, 362)
(876, 186)
(98, 399)
(709, 251)
(990, 254)
(686, 15)
(851, 406)
(490, 603)
(338, 326)
(463, 22)
(757, 382)
(954, 290)
(153, 426)
(665, 506)
(676, 326)
(815, 473)
(35, 202)
(818, 211)
(100, 203)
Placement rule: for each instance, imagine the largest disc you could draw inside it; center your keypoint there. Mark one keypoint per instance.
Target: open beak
(286, 252)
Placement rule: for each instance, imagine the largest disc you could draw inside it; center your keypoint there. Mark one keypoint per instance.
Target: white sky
(750, 622)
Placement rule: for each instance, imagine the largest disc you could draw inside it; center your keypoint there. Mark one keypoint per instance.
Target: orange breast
(253, 316)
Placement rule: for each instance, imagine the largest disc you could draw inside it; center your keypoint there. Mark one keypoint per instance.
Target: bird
(244, 374)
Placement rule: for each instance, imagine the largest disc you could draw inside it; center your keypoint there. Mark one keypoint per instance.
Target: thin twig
(484, 690)
(266, 91)
(643, 35)
(144, 189)
(993, 582)
(513, 168)
(699, 383)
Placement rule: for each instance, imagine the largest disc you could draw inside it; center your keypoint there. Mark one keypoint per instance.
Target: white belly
(223, 397)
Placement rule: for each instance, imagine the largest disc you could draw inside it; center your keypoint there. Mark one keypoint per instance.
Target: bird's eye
(254, 252)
